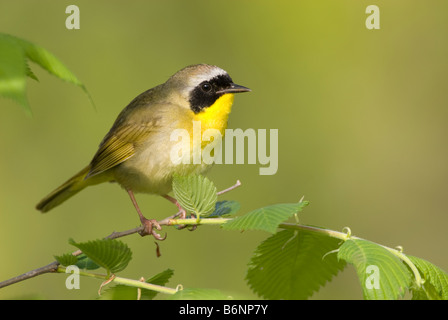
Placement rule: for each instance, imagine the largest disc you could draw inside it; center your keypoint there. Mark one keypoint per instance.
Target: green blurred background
(362, 119)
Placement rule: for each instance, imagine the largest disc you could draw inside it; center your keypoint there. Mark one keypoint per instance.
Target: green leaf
(13, 71)
(199, 294)
(49, 62)
(160, 279)
(383, 276)
(225, 208)
(195, 193)
(119, 292)
(84, 262)
(14, 68)
(435, 286)
(113, 255)
(67, 259)
(123, 292)
(293, 265)
(81, 261)
(267, 218)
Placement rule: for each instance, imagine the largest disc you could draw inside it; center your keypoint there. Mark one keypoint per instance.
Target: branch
(169, 221)
(52, 267)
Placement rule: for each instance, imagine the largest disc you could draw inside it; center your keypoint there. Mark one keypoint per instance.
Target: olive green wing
(118, 146)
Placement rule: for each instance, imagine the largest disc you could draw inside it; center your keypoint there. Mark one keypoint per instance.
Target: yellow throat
(216, 116)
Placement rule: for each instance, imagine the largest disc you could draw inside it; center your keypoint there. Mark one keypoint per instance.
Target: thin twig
(119, 234)
(236, 185)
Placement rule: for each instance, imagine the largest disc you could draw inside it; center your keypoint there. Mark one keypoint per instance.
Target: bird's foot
(150, 227)
(183, 215)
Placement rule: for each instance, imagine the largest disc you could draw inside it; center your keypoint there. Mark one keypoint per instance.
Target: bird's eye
(206, 87)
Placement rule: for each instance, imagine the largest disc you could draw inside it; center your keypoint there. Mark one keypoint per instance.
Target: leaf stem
(124, 281)
(345, 236)
(418, 279)
(331, 233)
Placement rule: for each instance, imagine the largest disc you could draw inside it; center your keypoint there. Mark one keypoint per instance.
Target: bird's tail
(65, 191)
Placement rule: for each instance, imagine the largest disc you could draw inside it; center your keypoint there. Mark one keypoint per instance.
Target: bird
(135, 153)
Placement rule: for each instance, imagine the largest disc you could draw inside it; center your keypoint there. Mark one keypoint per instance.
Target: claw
(193, 227)
(158, 236)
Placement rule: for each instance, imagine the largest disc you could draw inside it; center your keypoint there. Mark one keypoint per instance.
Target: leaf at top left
(14, 68)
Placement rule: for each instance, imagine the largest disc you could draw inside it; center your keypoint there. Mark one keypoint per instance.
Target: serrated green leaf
(293, 265)
(67, 259)
(435, 286)
(225, 208)
(113, 255)
(199, 294)
(196, 194)
(123, 292)
(383, 276)
(266, 218)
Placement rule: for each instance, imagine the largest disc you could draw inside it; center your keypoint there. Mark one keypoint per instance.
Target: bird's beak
(234, 88)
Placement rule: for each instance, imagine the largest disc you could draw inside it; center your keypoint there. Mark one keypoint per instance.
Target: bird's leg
(148, 224)
(183, 213)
